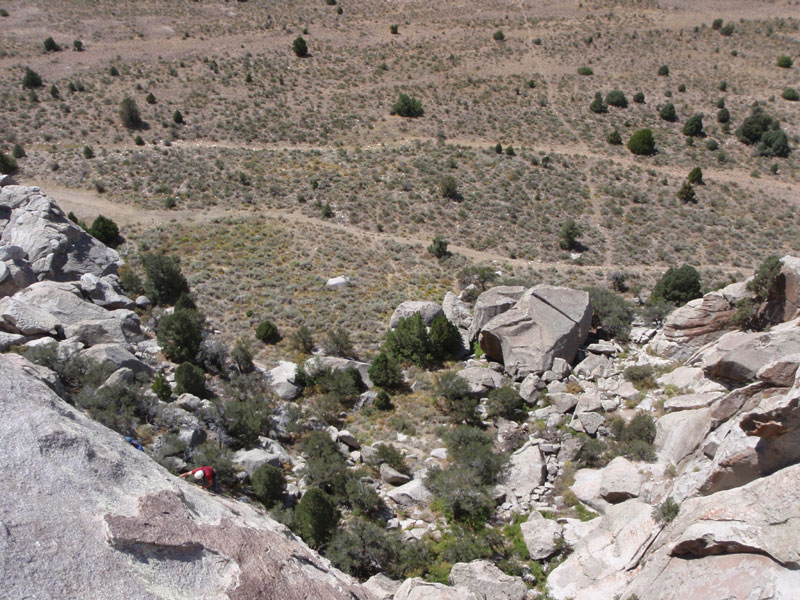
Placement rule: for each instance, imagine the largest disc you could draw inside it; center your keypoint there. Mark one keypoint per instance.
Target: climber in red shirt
(204, 474)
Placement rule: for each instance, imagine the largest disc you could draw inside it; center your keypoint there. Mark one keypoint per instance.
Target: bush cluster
(463, 489)
(611, 313)
(407, 106)
(764, 131)
(411, 342)
(678, 286)
(164, 282)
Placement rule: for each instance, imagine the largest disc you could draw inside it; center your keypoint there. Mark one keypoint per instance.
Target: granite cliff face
(85, 515)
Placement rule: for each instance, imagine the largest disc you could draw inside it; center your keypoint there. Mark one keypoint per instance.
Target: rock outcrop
(699, 322)
(50, 244)
(739, 543)
(108, 522)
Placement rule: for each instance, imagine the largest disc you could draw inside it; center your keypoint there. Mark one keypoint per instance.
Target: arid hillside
(232, 122)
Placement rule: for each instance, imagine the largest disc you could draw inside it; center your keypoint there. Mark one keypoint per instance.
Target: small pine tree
(695, 176)
(445, 339)
(616, 98)
(300, 47)
(150, 98)
(54, 93)
(383, 401)
(129, 114)
(614, 138)
(315, 517)
(678, 286)
(694, 125)
(384, 372)
(88, 153)
(723, 116)
(113, 71)
(568, 235)
(668, 113)
(790, 94)
(597, 105)
(190, 380)
(269, 485)
(498, 36)
(394, 29)
(179, 335)
(165, 282)
(177, 116)
(18, 151)
(407, 106)
(267, 332)
(663, 70)
(50, 45)
(105, 230)
(7, 164)
(77, 45)
(642, 142)
(686, 193)
(784, 61)
(498, 148)
(161, 388)
(31, 79)
(448, 188)
(638, 97)
(439, 247)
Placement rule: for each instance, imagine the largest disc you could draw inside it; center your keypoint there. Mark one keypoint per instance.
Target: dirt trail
(87, 204)
(741, 176)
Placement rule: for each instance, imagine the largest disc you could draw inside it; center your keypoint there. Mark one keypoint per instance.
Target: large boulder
(784, 300)
(251, 460)
(282, 380)
(526, 470)
(116, 356)
(546, 323)
(105, 291)
(426, 309)
(317, 363)
(482, 380)
(109, 522)
(738, 356)
(62, 300)
(55, 247)
(491, 303)
(15, 272)
(382, 586)
(17, 316)
(699, 322)
(457, 311)
(419, 589)
(486, 581)
(99, 331)
(594, 366)
(413, 493)
(542, 536)
(679, 434)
